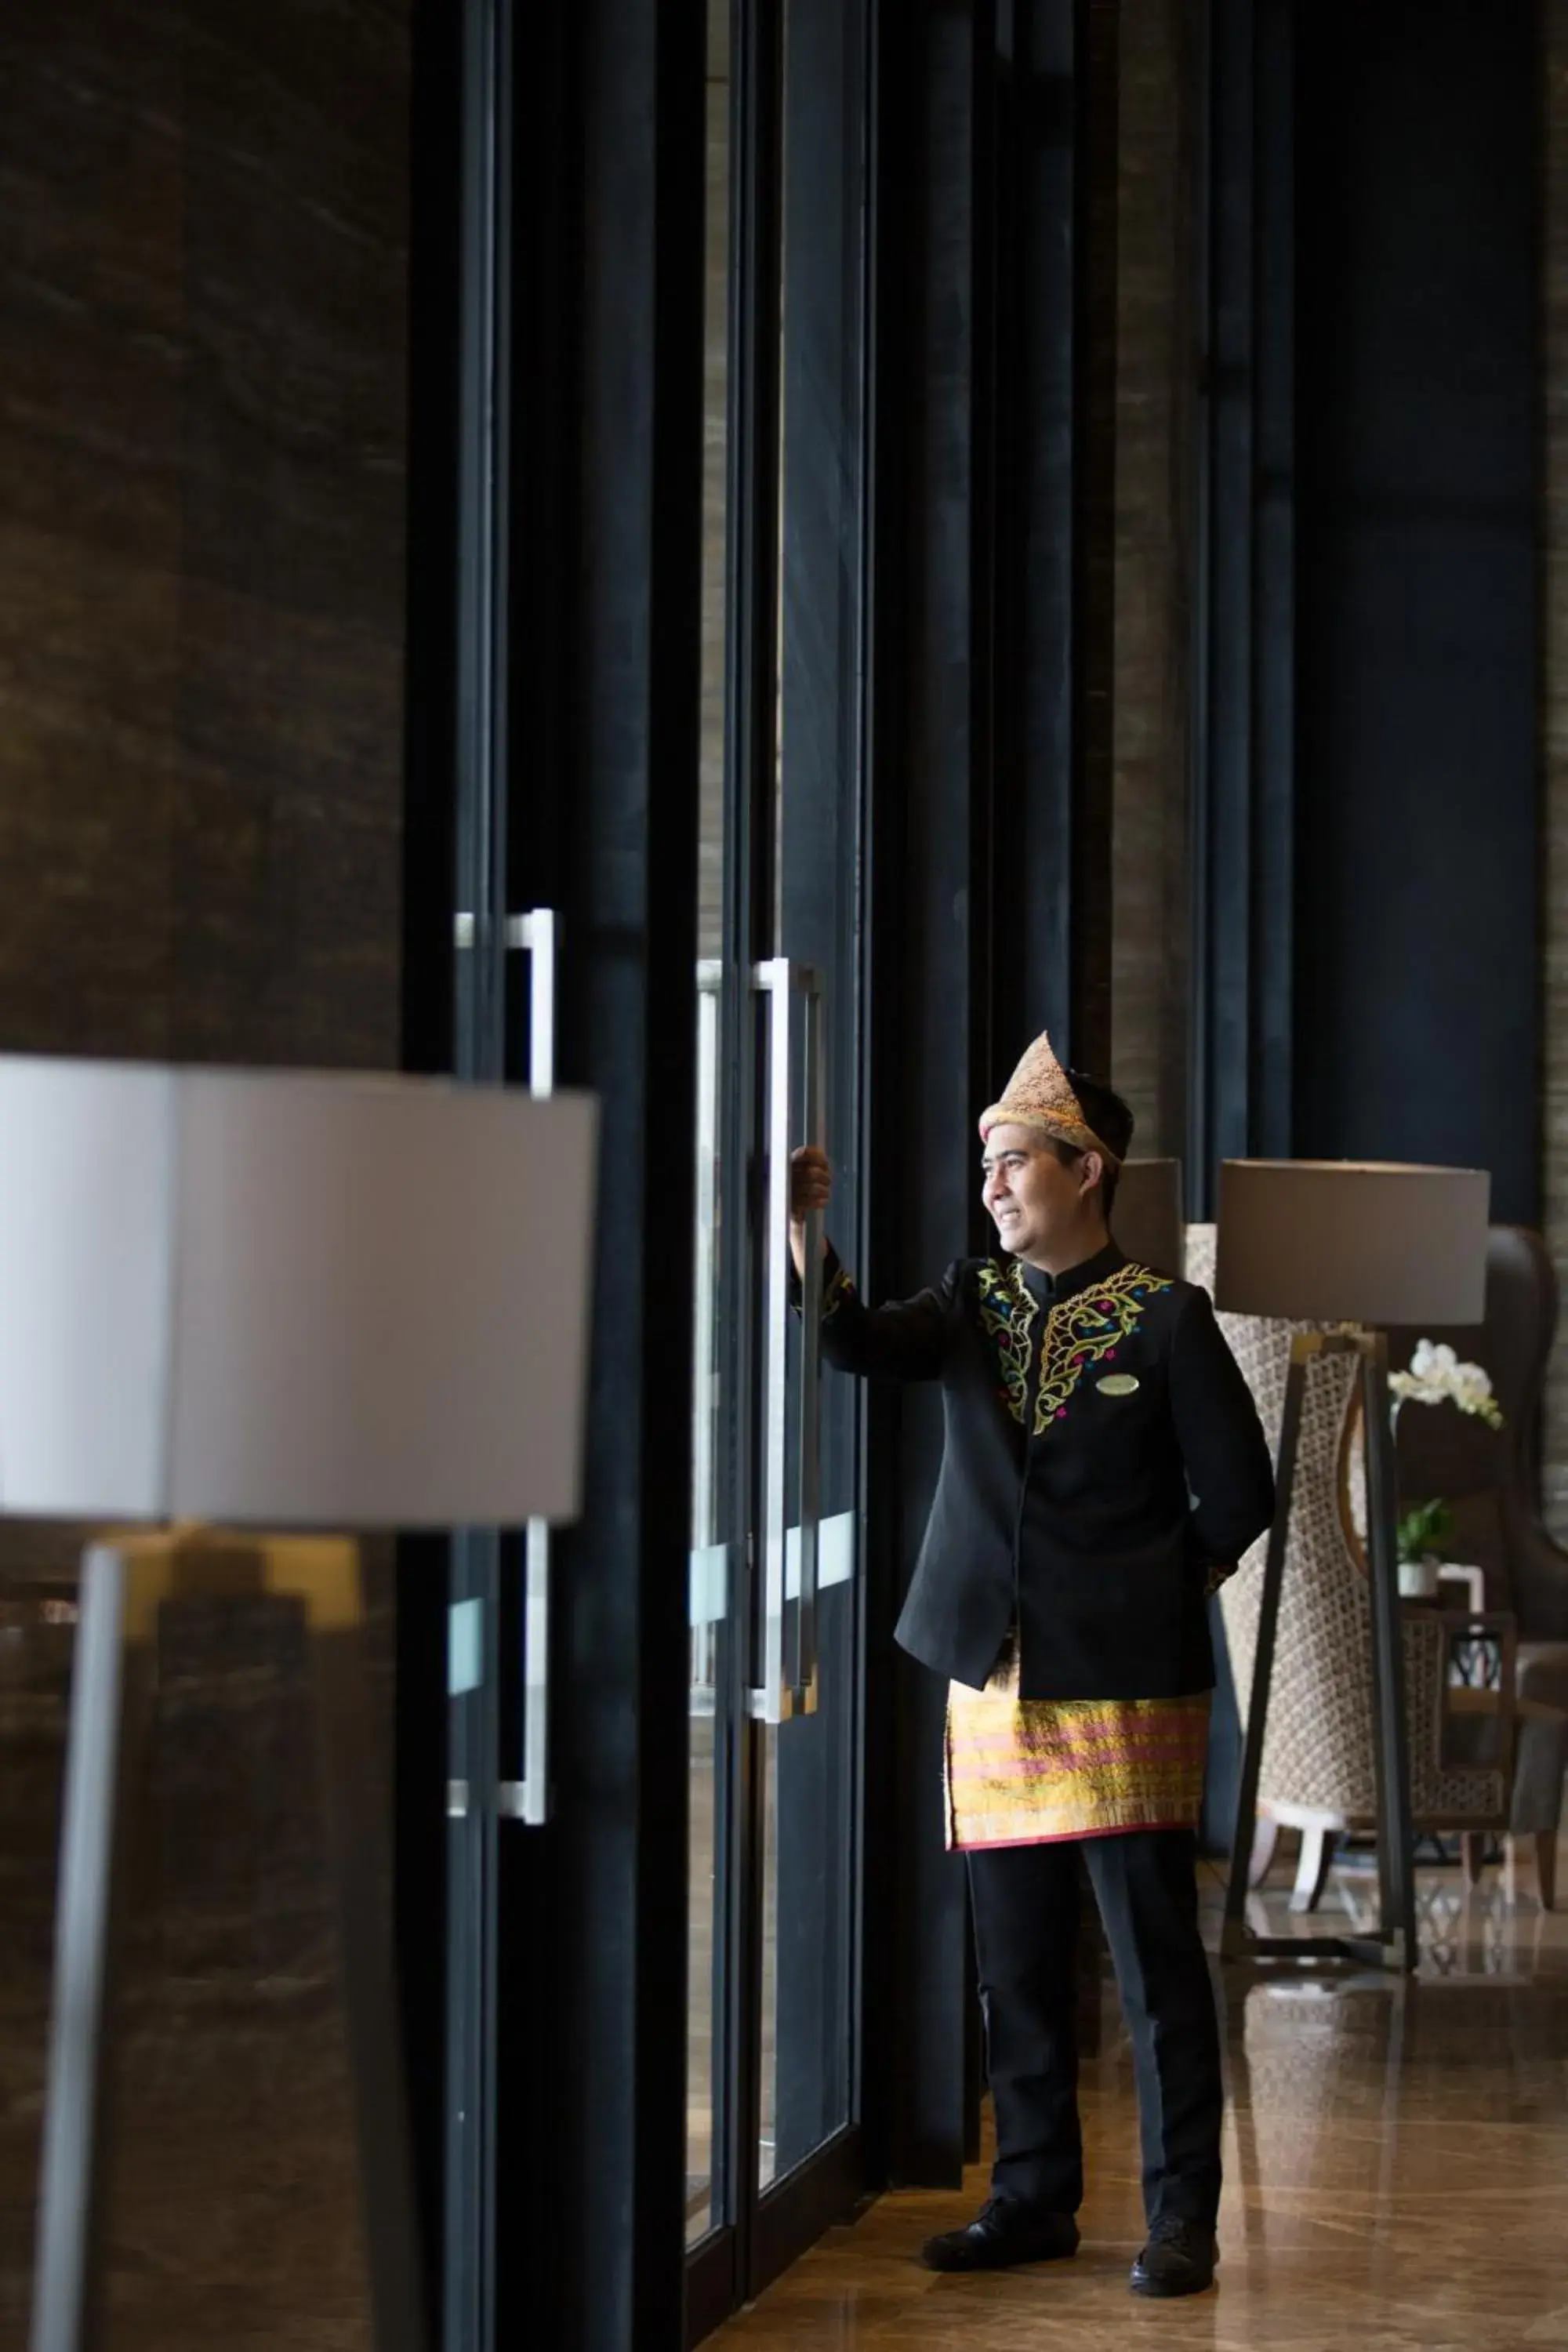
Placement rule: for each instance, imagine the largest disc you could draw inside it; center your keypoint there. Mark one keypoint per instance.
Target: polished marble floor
(1398, 2155)
(1397, 2174)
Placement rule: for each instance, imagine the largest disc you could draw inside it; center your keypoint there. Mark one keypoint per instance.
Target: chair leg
(1472, 1856)
(1312, 1870)
(1510, 1870)
(1266, 1837)
(1546, 1868)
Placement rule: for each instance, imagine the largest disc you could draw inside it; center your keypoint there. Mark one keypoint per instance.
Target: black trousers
(1025, 1901)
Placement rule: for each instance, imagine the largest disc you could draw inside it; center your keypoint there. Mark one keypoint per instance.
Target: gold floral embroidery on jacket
(838, 1289)
(1008, 1310)
(1088, 1330)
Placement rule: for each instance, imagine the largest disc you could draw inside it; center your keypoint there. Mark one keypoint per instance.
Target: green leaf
(1424, 1528)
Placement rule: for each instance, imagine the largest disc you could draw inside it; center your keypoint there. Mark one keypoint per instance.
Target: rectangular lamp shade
(1368, 1242)
(1147, 1220)
(285, 1298)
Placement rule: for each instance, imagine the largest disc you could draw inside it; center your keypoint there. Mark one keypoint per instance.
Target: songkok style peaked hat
(1039, 1094)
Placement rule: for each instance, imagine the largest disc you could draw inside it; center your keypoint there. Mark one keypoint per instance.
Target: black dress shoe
(1005, 2233)
(1179, 2259)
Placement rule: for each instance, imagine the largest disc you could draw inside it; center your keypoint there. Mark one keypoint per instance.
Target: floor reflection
(1463, 1932)
(1395, 2154)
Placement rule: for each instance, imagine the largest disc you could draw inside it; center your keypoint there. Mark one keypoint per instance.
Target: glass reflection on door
(774, 1631)
(709, 1611)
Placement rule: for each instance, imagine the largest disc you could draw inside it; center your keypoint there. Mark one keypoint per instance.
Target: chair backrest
(1319, 1751)
(1490, 1477)
(1318, 1748)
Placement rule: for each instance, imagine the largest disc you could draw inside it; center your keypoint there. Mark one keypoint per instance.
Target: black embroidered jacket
(1103, 1467)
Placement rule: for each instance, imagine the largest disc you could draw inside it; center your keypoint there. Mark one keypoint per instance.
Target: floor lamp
(1352, 1247)
(234, 1301)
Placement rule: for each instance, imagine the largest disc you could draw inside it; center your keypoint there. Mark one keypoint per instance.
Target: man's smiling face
(1033, 1199)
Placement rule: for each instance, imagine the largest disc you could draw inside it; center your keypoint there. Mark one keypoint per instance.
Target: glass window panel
(809, 1860)
(713, 1402)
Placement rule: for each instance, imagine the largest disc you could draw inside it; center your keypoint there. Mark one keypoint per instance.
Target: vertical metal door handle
(705, 1514)
(539, 933)
(807, 1657)
(788, 1687)
(536, 935)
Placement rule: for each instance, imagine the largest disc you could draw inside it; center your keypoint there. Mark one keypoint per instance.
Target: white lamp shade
(1147, 1218)
(1368, 1242)
(290, 1300)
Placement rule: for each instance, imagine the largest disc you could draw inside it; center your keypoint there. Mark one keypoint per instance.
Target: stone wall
(203, 354)
(1554, 1185)
(202, 362)
(1160, 128)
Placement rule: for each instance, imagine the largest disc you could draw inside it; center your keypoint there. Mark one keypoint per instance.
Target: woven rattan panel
(1318, 1751)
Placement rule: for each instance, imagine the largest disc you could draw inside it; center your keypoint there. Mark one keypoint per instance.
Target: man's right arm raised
(904, 1340)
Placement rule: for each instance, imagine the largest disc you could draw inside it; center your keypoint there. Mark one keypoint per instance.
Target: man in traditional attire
(1103, 1470)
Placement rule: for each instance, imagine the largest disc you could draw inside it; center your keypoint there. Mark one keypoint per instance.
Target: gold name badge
(1118, 1384)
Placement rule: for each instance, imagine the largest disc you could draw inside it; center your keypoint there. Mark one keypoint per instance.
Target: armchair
(1491, 1478)
(1479, 1763)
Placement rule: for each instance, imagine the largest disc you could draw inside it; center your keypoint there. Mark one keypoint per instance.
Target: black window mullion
(630, 571)
(474, 1764)
(751, 751)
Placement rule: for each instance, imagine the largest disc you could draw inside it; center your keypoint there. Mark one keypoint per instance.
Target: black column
(1045, 453)
(629, 1030)
(927, 707)
(1420, 583)
(604, 502)
(429, 887)
(992, 494)
(1243, 777)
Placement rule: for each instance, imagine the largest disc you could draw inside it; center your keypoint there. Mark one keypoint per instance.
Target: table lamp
(1354, 1247)
(1147, 1220)
(267, 1300)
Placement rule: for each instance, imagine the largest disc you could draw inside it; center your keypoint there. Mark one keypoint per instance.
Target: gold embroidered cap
(1039, 1094)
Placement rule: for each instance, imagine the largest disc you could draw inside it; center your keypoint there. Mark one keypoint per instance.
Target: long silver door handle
(709, 1032)
(540, 936)
(788, 1687)
(808, 1656)
(536, 935)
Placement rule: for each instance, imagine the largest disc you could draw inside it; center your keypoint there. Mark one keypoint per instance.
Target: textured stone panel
(1554, 1185)
(203, 358)
(203, 364)
(1159, 123)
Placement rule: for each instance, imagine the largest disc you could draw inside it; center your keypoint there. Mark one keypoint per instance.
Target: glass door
(773, 2145)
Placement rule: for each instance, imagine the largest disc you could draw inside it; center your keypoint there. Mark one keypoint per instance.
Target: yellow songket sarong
(1026, 1771)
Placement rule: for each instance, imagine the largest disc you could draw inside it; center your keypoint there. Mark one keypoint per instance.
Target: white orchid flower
(1438, 1377)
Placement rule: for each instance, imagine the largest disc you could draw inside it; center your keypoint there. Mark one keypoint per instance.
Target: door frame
(763, 2233)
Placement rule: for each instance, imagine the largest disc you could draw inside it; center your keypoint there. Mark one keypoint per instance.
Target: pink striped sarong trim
(1037, 1771)
(1067, 1837)
(1001, 1749)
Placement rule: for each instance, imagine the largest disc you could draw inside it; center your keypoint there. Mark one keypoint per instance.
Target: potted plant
(1436, 1376)
(1425, 1532)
